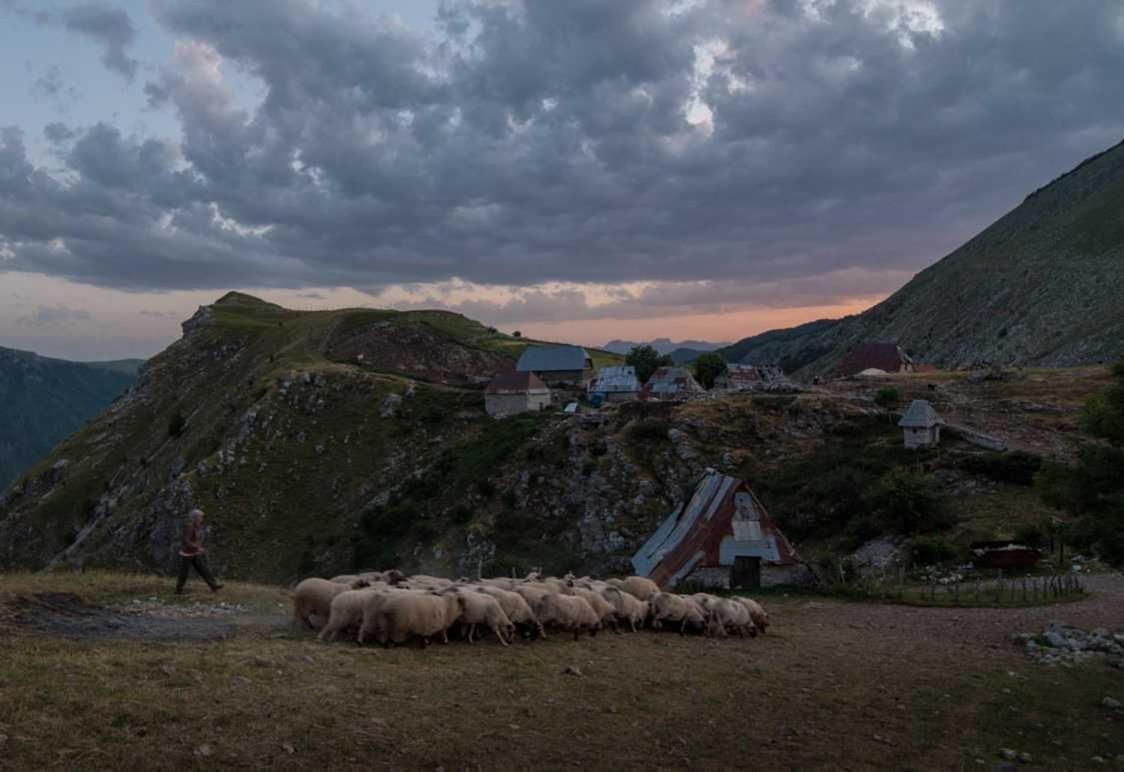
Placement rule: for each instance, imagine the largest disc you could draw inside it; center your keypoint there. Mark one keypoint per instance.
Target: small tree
(646, 360)
(708, 367)
(517, 334)
(887, 397)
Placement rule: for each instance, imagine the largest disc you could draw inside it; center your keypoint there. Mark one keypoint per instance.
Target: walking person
(192, 554)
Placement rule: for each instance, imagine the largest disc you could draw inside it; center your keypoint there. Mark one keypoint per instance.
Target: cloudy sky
(578, 170)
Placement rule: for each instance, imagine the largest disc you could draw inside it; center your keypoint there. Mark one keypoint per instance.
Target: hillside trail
(66, 615)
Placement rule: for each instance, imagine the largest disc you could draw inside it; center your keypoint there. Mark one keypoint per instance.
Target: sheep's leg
(471, 632)
(496, 630)
(577, 632)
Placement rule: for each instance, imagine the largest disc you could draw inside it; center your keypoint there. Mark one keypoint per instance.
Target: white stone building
(921, 425)
(511, 393)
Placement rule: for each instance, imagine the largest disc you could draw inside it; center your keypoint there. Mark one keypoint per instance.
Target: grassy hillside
(44, 400)
(1042, 286)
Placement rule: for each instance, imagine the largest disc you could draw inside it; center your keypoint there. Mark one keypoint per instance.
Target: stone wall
(501, 405)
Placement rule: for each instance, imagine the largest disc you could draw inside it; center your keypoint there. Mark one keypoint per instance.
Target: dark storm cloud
(546, 141)
(109, 27)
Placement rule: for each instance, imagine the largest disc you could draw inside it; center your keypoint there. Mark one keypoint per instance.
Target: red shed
(721, 537)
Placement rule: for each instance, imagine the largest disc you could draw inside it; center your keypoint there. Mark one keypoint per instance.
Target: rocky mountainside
(1042, 286)
(43, 400)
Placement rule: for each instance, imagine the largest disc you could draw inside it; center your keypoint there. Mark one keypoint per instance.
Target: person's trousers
(199, 563)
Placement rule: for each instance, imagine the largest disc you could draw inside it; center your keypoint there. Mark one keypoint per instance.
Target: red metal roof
(721, 520)
(888, 357)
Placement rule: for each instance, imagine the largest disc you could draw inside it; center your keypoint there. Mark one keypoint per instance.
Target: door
(746, 572)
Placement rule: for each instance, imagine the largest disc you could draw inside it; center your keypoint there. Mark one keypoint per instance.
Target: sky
(580, 170)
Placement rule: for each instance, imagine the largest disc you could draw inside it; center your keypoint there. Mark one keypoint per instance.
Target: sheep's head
(359, 584)
(394, 576)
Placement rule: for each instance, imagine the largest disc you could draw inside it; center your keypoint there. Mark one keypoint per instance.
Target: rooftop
(518, 383)
(552, 359)
(920, 415)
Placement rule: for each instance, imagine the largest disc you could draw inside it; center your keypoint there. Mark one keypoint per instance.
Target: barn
(615, 384)
(721, 537)
(671, 384)
(557, 365)
(878, 358)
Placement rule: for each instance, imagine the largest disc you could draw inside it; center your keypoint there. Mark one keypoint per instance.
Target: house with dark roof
(876, 359)
(671, 384)
(723, 537)
(921, 425)
(557, 365)
(511, 393)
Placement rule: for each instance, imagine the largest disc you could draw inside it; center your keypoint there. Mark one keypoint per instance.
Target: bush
(887, 397)
(927, 550)
(1016, 467)
(909, 503)
(649, 430)
(486, 488)
(460, 514)
(1033, 534)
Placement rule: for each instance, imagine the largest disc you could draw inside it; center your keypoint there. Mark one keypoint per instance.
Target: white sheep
(312, 600)
(639, 587)
(516, 608)
(346, 612)
(758, 614)
(401, 615)
(605, 611)
(478, 608)
(627, 607)
(676, 609)
(725, 615)
(568, 612)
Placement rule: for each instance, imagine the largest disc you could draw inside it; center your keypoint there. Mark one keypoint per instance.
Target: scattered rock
(572, 670)
(1110, 703)
(1010, 754)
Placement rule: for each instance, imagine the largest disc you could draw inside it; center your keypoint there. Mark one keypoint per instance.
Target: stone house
(721, 537)
(511, 393)
(557, 365)
(875, 358)
(921, 425)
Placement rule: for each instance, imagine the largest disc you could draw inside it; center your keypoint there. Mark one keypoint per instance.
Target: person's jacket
(192, 541)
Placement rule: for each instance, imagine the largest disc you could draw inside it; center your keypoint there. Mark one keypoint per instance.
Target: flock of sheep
(388, 607)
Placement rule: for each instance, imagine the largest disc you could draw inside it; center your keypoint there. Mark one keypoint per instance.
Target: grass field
(833, 684)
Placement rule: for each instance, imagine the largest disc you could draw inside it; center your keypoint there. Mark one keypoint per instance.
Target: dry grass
(939, 687)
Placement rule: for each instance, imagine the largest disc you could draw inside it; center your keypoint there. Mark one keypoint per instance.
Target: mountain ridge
(1041, 286)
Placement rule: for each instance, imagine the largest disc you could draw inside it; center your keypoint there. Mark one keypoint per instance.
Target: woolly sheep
(478, 608)
(346, 611)
(345, 579)
(312, 600)
(533, 592)
(725, 615)
(758, 614)
(372, 606)
(568, 612)
(516, 608)
(669, 607)
(401, 615)
(604, 610)
(639, 587)
(628, 608)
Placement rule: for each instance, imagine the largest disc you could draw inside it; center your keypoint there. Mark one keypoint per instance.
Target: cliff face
(43, 400)
(1042, 286)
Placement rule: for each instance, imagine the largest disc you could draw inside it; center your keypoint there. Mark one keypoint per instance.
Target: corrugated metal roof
(671, 383)
(880, 356)
(711, 529)
(552, 359)
(920, 415)
(619, 379)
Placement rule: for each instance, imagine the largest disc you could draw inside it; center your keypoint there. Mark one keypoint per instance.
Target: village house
(557, 365)
(921, 425)
(875, 359)
(511, 393)
(614, 384)
(671, 384)
(722, 537)
(742, 377)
